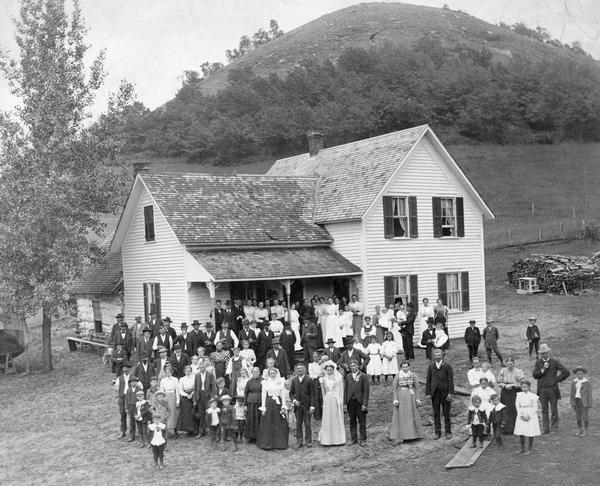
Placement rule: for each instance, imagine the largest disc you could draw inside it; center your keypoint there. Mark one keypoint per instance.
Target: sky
(152, 42)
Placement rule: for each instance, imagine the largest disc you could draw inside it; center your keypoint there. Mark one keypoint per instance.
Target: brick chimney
(315, 142)
(140, 168)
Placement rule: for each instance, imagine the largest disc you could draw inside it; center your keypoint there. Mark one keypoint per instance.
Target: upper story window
(400, 217)
(448, 217)
(149, 223)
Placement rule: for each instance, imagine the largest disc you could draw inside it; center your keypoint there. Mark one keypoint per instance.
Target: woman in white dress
(293, 317)
(389, 358)
(425, 312)
(241, 382)
(170, 385)
(346, 321)
(527, 424)
(248, 355)
(386, 317)
(400, 315)
(261, 316)
(374, 367)
(331, 324)
(333, 431)
(249, 310)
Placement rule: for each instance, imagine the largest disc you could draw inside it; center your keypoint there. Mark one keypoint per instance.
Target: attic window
(149, 223)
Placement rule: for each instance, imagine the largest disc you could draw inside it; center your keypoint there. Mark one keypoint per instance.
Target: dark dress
(186, 421)
(252, 398)
(273, 430)
(219, 360)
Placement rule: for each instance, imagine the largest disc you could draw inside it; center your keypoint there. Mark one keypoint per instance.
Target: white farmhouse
(388, 218)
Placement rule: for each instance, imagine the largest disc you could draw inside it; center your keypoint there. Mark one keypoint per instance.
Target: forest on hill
(465, 90)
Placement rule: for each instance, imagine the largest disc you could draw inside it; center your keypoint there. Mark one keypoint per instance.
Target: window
(97, 316)
(400, 288)
(448, 217)
(400, 217)
(453, 290)
(151, 300)
(149, 223)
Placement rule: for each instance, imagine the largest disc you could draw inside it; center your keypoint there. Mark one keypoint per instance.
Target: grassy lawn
(69, 418)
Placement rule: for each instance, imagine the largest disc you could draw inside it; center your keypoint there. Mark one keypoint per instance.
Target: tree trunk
(26, 346)
(46, 340)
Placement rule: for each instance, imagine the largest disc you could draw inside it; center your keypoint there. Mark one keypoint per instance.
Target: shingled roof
(101, 278)
(205, 209)
(351, 175)
(274, 263)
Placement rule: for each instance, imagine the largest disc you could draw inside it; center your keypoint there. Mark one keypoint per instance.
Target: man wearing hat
(205, 387)
(116, 328)
(209, 337)
(533, 336)
(160, 362)
(121, 386)
(144, 343)
(440, 387)
(172, 332)
(136, 331)
(472, 340)
(490, 340)
(407, 331)
(143, 370)
(227, 336)
(163, 340)
(549, 372)
(581, 400)
(124, 338)
(183, 339)
(195, 337)
(310, 339)
(154, 324)
(428, 338)
(179, 360)
(331, 351)
(280, 358)
(247, 334)
(350, 354)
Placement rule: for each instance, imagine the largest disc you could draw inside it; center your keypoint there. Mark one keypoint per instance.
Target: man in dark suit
(247, 334)
(160, 361)
(205, 387)
(303, 394)
(331, 351)
(195, 337)
(310, 339)
(170, 331)
(144, 344)
(356, 401)
(154, 324)
(265, 338)
(143, 370)
(280, 357)
(116, 328)
(472, 340)
(440, 386)
(183, 340)
(209, 338)
(237, 316)
(350, 354)
(549, 372)
(179, 360)
(428, 338)
(124, 338)
(219, 314)
(407, 331)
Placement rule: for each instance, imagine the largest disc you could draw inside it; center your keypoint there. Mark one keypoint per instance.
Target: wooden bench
(93, 345)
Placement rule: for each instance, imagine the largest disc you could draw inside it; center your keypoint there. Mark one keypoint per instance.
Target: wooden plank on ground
(458, 390)
(467, 456)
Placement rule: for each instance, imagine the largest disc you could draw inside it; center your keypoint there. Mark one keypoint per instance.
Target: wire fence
(500, 234)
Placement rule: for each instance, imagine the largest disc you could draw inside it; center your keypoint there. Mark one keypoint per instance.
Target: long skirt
(253, 416)
(186, 422)
(174, 415)
(356, 324)
(508, 397)
(331, 329)
(273, 432)
(333, 431)
(406, 421)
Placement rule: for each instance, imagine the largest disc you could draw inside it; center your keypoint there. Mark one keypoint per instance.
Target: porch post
(288, 290)
(210, 285)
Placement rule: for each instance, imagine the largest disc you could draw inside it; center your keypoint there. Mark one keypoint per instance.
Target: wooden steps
(466, 456)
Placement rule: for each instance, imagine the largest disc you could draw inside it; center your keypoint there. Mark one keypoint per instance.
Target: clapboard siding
(160, 261)
(424, 175)
(199, 300)
(346, 240)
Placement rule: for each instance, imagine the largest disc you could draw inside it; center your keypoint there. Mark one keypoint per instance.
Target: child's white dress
(389, 358)
(375, 367)
(157, 437)
(526, 404)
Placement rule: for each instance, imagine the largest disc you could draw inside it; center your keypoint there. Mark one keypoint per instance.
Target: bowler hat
(167, 319)
(183, 324)
(138, 318)
(177, 346)
(348, 340)
(330, 341)
(472, 322)
(143, 354)
(196, 322)
(276, 341)
(544, 348)
(532, 318)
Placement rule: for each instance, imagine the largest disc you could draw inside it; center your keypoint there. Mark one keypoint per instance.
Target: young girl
(239, 424)
(358, 345)
(315, 371)
(234, 365)
(389, 349)
(527, 424)
(374, 368)
(581, 400)
(241, 382)
(226, 419)
(498, 419)
(478, 420)
(367, 330)
(212, 419)
(484, 392)
(248, 355)
(158, 441)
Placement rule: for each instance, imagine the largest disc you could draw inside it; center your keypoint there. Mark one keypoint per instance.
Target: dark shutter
(388, 291)
(460, 217)
(414, 290)
(464, 277)
(149, 223)
(412, 217)
(146, 304)
(157, 301)
(388, 217)
(442, 288)
(436, 203)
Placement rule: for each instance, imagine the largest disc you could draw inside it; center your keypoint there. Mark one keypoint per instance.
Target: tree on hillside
(54, 187)
(260, 37)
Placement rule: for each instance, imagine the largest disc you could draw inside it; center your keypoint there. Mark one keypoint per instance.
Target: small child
(533, 337)
(151, 393)
(158, 441)
(527, 424)
(143, 416)
(221, 390)
(291, 417)
(239, 415)
(212, 419)
(581, 400)
(367, 330)
(478, 420)
(226, 419)
(389, 359)
(374, 367)
(358, 345)
(498, 419)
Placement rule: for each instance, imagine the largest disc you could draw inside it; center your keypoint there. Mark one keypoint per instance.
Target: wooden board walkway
(466, 456)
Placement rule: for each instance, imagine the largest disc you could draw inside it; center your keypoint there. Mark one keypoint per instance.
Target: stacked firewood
(558, 273)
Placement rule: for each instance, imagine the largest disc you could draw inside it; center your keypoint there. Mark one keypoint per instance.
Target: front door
(341, 288)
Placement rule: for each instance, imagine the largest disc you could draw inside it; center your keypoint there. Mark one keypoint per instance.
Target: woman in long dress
(527, 424)
(346, 321)
(273, 430)
(234, 365)
(332, 431)
(187, 422)
(241, 383)
(509, 381)
(389, 358)
(331, 325)
(293, 317)
(374, 367)
(170, 385)
(252, 399)
(406, 421)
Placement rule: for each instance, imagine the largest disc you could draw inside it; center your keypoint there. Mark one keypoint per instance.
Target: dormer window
(149, 223)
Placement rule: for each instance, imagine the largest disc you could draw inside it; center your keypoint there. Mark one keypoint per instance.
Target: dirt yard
(62, 428)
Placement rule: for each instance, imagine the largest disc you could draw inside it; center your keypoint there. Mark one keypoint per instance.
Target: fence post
(562, 230)
(540, 233)
(509, 237)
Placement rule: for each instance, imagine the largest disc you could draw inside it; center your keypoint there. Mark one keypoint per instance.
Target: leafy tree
(208, 68)
(54, 187)
(259, 38)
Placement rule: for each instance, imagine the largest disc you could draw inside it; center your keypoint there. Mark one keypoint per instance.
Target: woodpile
(558, 273)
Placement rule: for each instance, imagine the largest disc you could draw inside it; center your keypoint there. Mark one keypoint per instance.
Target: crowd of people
(253, 373)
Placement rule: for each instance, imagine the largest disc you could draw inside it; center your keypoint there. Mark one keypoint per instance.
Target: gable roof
(350, 176)
(206, 210)
(101, 278)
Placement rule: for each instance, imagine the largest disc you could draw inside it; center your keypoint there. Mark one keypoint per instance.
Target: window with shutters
(151, 300)
(97, 311)
(400, 289)
(400, 216)
(453, 290)
(448, 217)
(149, 223)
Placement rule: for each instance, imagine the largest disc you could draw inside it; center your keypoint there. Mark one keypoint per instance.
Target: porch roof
(274, 264)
